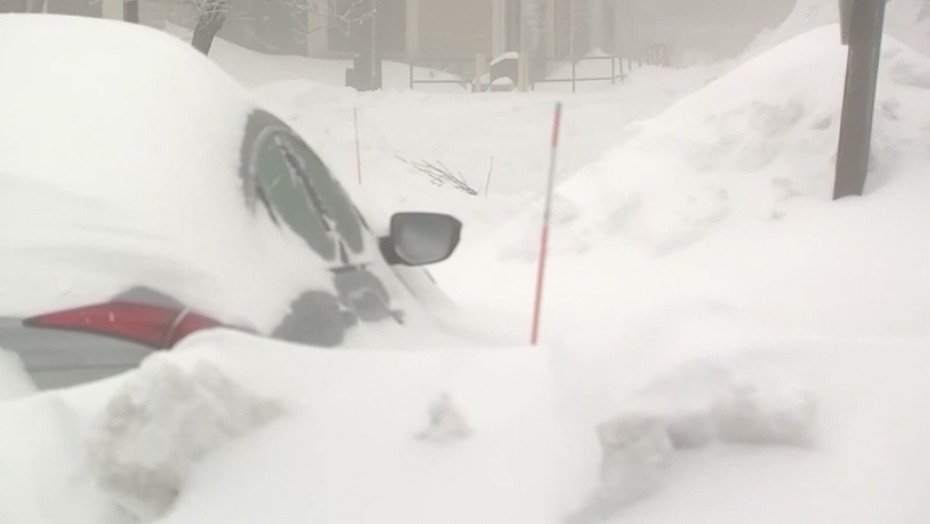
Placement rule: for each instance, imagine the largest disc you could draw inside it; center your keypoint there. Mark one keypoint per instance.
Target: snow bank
(15, 381)
(806, 16)
(754, 145)
(867, 433)
(497, 142)
(349, 450)
(44, 478)
(160, 423)
(395, 437)
(737, 400)
(905, 20)
(143, 188)
(145, 163)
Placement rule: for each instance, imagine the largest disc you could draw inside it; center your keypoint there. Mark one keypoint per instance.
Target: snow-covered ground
(722, 342)
(905, 20)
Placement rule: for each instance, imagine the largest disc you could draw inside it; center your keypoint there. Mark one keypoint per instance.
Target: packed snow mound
(740, 400)
(745, 399)
(806, 15)
(143, 185)
(906, 20)
(159, 424)
(15, 381)
(755, 144)
(353, 449)
(498, 143)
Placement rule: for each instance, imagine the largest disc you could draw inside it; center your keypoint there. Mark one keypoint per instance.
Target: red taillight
(158, 327)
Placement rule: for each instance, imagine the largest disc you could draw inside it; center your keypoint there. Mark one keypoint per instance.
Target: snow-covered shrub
(162, 421)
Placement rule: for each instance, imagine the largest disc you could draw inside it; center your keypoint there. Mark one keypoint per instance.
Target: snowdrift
(754, 145)
(498, 143)
(234, 428)
(99, 220)
(905, 20)
(162, 421)
(762, 359)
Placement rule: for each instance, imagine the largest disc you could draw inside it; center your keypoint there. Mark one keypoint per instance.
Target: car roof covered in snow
(119, 157)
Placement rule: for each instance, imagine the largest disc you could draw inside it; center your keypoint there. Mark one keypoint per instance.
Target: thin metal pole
(547, 217)
(358, 149)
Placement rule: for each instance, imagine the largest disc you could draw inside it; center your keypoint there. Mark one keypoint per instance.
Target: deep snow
(110, 193)
(905, 20)
(714, 324)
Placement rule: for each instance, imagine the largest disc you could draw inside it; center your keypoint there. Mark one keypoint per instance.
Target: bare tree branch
(343, 15)
(441, 175)
(346, 16)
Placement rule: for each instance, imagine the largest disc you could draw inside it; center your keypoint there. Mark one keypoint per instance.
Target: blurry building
(456, 31)
(713, 28)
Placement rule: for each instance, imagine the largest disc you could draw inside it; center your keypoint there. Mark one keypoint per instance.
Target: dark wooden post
(861, 31)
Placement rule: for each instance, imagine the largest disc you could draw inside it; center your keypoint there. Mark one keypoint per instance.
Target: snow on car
(145, 196)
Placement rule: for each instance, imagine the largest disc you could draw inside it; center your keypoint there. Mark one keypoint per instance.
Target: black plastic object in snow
(861, 29)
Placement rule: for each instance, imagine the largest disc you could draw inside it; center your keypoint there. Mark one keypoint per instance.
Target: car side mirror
(419, 238)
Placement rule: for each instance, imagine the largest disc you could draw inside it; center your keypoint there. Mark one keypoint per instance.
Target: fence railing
(566, 70)
(657, 55)
(442, 64)
(618, 71)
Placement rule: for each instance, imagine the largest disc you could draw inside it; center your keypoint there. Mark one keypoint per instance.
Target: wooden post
(523, 72)
(131, 11)
(863, 32)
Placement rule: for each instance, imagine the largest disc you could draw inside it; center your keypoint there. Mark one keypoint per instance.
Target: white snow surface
(723, 343)
(286, 433)
(143, 184)
(905, 20)
(147, 181)
(756, 144)
(133, 449)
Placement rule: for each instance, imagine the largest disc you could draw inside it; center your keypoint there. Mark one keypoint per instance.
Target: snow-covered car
(145, 196)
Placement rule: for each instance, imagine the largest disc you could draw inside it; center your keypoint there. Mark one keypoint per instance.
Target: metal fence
(477, 67)
(462, 67)
(618, 72)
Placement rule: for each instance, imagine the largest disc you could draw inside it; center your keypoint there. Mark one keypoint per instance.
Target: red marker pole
(358, 149)
(547, 215)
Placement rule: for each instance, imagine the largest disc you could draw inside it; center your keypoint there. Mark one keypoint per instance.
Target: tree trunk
(131, 11)
(13, 6)
(206, 30)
